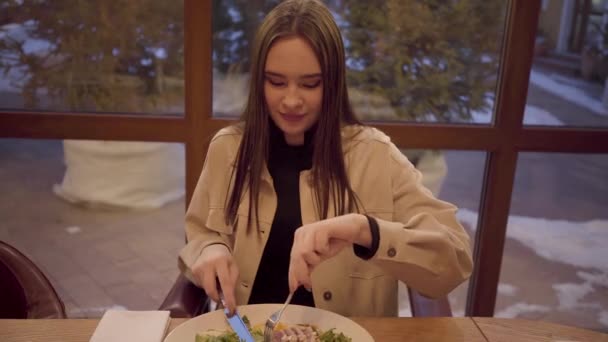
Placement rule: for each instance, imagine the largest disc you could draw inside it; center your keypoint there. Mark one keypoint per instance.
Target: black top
(285, 163)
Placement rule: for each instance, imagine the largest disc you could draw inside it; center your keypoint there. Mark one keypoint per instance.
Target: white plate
(258, 313)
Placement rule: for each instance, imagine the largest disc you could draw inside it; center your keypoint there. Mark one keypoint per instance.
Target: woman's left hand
(313, 243)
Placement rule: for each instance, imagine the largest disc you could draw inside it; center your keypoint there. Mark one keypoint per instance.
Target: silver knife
(236, 322)
(239, 327)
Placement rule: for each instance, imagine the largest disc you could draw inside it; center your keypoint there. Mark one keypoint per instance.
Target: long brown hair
(311, 20)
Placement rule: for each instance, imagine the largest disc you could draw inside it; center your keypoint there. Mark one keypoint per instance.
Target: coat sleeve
(424, 245)
(204, 220)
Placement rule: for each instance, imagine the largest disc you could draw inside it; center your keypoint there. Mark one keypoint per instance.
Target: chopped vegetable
(331, 336)
(258, 335)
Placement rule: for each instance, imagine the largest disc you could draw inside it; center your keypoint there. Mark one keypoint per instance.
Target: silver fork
(273, 320)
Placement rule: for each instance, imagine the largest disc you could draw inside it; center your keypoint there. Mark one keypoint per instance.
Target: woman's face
(293, 87)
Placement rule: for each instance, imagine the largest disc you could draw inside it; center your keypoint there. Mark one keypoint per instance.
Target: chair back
(25, 292)
(425, 307)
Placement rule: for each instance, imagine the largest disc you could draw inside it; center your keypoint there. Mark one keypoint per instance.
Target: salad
(283, 332)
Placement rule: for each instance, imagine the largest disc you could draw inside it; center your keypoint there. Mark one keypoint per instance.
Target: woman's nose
(292, 100)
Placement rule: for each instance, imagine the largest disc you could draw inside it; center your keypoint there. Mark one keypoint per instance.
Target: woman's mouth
(292, 117)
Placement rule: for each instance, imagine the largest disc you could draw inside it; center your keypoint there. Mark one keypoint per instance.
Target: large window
(455, 80)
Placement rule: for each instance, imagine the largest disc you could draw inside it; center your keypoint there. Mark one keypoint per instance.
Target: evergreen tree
(432, 59)
(234, 25)
(96, 55)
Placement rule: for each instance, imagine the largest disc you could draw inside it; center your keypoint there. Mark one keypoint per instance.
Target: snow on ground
(570, 296)
(533, 116)
(580, 244)
(507, 290)
(538, 116)
(568, 92)
(520, 308)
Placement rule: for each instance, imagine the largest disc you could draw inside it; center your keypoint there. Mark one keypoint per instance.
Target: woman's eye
(275, 83)
(311, 85)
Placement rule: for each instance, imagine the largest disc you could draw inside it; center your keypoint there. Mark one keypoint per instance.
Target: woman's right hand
(216, 263)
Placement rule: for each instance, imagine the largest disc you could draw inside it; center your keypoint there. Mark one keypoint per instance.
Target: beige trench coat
(421, 242)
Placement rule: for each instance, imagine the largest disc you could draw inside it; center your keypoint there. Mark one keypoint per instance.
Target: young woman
(301, 197)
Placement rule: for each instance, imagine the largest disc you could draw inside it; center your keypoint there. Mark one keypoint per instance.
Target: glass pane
(446, 71)
(554, 263)
(103, 220)
(456, 177)
(568, 78)
(92, 55)
(598, 5)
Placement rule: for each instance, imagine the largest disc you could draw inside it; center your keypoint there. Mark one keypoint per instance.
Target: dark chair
(424, 307)
(186, 300)
(24, 290)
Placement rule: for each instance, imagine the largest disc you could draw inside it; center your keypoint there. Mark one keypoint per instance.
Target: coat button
(327, 295)
(391, 252)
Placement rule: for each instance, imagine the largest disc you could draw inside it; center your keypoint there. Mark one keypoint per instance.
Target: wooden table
(382, 329)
